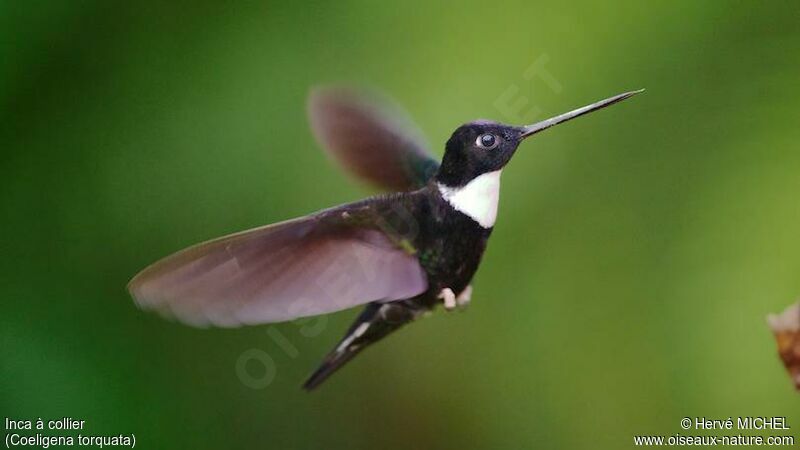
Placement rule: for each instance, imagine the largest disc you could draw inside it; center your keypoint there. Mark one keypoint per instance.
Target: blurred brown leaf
(786, 327)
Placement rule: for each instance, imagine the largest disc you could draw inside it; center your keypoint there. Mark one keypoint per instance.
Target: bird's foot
(464, 297)
(448, 298)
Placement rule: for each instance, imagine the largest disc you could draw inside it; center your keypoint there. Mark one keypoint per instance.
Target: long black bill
(545, 124)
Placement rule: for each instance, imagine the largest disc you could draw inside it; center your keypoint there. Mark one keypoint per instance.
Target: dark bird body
(401, 254)
(449, 245)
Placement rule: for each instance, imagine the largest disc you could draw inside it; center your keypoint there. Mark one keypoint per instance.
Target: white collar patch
(478, 199)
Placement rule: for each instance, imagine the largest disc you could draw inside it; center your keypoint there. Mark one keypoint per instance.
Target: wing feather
(371, 138)
(279, 272)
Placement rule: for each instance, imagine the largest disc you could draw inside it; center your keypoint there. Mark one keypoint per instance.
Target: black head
(484, 146)
(476, 148)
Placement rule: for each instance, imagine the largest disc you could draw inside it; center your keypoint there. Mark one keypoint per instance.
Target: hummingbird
(400, 254)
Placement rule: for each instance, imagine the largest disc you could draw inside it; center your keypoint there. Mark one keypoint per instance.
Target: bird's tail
(375, 321)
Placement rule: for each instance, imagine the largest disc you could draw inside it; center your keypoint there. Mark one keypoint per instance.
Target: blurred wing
(371, 139)
(279, 272)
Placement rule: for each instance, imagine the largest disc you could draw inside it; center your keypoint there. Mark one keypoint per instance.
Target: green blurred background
(636, 254)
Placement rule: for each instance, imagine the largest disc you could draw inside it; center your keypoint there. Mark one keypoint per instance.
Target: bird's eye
(487, 141)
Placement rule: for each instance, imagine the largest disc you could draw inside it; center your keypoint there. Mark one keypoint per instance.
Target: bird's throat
(478, 199)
